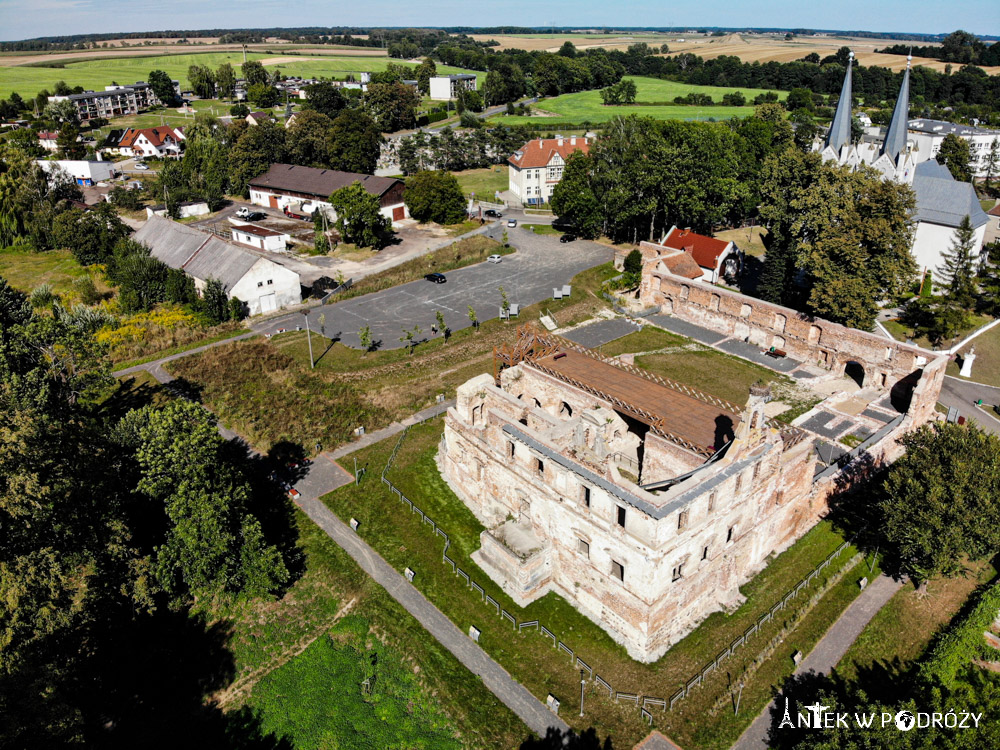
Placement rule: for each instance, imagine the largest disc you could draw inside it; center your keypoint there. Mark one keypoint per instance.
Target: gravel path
(828, 652)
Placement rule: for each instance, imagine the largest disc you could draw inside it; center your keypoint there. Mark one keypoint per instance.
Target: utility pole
(312, 364)
(738, 697)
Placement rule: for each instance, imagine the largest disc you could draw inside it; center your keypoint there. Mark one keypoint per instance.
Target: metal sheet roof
(943, 200)
(319, 182)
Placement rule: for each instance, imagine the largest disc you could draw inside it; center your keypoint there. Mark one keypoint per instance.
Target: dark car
(437, 278)
(492, 213)
(255, 216)
(567, 237)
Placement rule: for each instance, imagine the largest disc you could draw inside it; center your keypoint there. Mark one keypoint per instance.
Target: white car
(494, 259)
(512, 222)
(141, 167)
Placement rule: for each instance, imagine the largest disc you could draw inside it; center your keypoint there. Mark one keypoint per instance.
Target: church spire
(895, 136)
(840, 129)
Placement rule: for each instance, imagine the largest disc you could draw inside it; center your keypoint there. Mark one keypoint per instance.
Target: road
(528, 276)
(963, 394)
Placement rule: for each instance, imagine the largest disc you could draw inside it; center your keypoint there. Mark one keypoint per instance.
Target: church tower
(894, 159)
(840, 129)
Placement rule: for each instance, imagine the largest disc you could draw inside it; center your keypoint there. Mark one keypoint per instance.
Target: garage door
(398, 213)
(268, 303)
(273, 201)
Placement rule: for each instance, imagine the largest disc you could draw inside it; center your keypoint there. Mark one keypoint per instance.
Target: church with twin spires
(942, 201)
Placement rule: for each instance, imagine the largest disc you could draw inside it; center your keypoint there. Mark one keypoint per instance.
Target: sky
(23, 19)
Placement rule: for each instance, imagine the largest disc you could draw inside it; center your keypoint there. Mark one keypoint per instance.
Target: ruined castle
(647, 503)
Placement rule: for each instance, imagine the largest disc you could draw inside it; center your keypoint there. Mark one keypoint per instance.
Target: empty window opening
(565, 410)
(731, 533)
(739, 483)
(678, 572)
(539, 466)
(583, 547)
(621, 516)
(682, 519)
(618, 570)
(585, 495)
(711, 502)
(511, 448)
(704, 553)
(270, 281)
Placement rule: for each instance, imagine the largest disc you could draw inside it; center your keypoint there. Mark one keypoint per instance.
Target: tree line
(958, 47)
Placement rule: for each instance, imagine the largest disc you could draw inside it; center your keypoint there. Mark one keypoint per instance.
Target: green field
(586, 106)
(97, 73)
(483, 182)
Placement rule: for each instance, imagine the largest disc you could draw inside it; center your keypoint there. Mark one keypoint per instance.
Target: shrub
(85, 287)
(633, 262)
(42, 296)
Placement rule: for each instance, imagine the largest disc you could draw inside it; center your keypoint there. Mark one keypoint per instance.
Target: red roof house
(537, 167)
(708, 252)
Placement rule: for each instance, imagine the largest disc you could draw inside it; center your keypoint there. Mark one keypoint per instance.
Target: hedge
(963, 641)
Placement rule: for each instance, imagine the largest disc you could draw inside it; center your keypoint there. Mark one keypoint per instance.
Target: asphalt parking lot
(528, 276)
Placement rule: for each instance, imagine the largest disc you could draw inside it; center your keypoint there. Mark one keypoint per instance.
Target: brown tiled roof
(705, 250)
(698, 422)
(157, 136)
(682, 264)
(319, 182)
(995, 211)
(538, 153)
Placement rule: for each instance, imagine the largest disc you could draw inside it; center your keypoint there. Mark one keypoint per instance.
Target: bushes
(963, 641)
(435, 196)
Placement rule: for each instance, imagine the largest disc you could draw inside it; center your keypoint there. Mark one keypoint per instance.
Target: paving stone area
(683, 328)
(881, 416)
(754, 354)
(602, 332)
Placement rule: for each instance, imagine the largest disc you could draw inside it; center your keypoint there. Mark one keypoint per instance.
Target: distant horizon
(24, 20)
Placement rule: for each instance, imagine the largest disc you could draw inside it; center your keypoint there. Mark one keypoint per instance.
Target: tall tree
(505, 82)
(256, 149)
(424, 72)
(255, 73)
(956, 155)
(435, 196)
(392, 106)
(202, 81)
(359, 218)
(69, 143)
(355, 142)
(308, 139)
(573, 199)
(163, 87)
(959, 265)
(325, 98)
(225, 81)
(942, 501)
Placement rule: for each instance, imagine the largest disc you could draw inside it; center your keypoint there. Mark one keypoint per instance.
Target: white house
(261, 238)
(536, 168)
(942, 203)
(84, 173)
(443, 88)
(307, 189)
(927, 136)
(262, 284)
(162, 142)
(715, 258)
(48, 140)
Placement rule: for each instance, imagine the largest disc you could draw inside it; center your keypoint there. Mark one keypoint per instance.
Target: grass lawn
(986, 368)
(719, 374)
(898, 634)
(25, 270)
(902, 332)
(483, 182)
(404, 541)
(987, 203)
(265, 636)
(348, 689)
(649, 339)
(542, 229)
(96, 73)
(747, 239)
(586, 106)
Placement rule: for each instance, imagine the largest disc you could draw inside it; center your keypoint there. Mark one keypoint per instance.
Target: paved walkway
(829, 651)
(515, 696)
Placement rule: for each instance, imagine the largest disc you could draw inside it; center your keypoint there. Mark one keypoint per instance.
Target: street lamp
(582, 684)
(312, 364)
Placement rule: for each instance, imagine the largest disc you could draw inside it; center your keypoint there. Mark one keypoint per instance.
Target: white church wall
(931, 240)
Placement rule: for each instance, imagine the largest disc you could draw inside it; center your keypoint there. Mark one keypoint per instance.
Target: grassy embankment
(704, 719)
(586, 106)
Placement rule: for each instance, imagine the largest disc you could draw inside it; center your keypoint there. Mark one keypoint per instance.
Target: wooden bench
(776, 353)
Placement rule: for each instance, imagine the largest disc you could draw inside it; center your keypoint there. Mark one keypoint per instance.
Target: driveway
(528, 276)
(963, 394)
